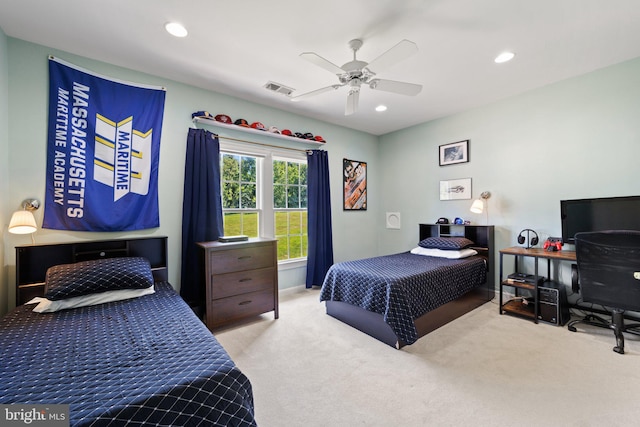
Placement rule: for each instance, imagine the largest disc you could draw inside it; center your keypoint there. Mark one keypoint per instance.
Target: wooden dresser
(241, 279)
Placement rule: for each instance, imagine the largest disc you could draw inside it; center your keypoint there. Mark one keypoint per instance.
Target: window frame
(289, 209)
(264, 193)
(257, 209)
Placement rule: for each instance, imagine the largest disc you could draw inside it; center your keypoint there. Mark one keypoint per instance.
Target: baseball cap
(258, 125)
(287, 132)
(299, 135)
(223, 118)
(308, 135)
(273, 129)
(201, 114)
(319, 138)
(241, 122)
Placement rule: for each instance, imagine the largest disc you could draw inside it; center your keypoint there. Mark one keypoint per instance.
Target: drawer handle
(248, 279)
(245, 302)
(244, 257)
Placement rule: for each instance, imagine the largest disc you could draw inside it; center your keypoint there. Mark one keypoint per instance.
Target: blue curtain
(320, 253)
(201, 210)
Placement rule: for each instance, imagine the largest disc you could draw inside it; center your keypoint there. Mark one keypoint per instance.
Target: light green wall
(27, 115)
(575, 139)
(4, 160)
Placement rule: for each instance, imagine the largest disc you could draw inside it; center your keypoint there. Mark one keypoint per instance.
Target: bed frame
(33, 261)
(374, 325)
(220, 392)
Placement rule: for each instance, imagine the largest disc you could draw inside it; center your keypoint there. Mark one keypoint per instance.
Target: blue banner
(103, 152)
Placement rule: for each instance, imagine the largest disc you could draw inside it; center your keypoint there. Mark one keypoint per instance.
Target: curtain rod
(263, 144)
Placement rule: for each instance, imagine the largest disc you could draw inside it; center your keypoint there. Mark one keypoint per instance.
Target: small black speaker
(552, 303)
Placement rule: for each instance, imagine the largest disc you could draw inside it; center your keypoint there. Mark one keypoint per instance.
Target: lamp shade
(22, 222)
(477, 206)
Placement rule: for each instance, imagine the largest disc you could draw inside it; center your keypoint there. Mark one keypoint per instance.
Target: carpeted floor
(309, 369)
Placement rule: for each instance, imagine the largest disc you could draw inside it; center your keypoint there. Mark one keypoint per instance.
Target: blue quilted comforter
(402, 287)
(144, 361)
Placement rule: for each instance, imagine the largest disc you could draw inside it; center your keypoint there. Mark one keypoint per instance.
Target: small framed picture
(455, 189)
(456, 152)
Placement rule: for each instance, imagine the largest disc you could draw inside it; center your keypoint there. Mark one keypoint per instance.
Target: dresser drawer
(224, 310)
(242, 282)
(241, 259)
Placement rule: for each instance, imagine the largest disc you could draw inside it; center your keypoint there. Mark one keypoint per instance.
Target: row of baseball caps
(223, 118)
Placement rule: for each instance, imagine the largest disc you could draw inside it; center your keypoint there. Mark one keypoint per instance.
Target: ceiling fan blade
(402, 88)
(352, 102)
(321, 62)
(315, 92)
(401, 51)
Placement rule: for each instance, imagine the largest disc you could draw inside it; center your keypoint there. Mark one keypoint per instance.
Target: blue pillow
(446, 243)
(90, 277)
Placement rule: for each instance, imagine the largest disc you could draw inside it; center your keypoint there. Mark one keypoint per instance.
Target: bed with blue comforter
(393, 297)
(402, 287)
(139, 361)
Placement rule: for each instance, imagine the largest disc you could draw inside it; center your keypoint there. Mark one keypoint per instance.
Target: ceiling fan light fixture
(504, 57)
(381, 108)
(356, 73)
(176, 29)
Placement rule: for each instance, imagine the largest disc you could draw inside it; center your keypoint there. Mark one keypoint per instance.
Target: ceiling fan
(355, 73)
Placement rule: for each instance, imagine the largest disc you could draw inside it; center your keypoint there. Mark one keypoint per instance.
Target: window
(264, 193)
(239, 180)
(290, 208)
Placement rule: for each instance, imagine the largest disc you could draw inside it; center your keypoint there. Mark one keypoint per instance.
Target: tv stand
(515, 306)
(532, 313)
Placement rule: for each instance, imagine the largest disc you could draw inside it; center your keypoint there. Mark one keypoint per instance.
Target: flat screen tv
(607, 213)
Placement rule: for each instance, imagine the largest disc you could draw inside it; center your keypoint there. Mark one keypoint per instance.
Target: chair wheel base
(617, 325)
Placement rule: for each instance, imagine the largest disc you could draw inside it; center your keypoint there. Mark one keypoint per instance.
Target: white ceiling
(235, 47)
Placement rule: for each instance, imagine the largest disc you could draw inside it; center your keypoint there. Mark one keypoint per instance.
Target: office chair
(609, 275)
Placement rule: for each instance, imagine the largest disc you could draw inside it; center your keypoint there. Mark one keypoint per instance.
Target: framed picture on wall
(455, 189)
(354, 178)
(456, 152)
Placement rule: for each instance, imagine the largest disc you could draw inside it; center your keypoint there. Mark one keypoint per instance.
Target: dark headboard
(33, 261)
(481, 235)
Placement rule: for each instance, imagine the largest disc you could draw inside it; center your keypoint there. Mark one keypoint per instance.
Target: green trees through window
(290, 208)
(241, 182)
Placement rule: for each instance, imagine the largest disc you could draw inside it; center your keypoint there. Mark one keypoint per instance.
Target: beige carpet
(309, 369)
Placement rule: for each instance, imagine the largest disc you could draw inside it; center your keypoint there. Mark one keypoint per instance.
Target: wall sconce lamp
(478, 205)
(23, 221)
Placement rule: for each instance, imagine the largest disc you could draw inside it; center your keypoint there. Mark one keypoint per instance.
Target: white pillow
(462, 253)
(48, 306)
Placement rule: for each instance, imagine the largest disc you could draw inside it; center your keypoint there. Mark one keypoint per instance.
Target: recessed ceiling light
(176, 29)
(381, 108)
(504, 57)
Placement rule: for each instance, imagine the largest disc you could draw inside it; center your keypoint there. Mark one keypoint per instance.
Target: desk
(520, 309)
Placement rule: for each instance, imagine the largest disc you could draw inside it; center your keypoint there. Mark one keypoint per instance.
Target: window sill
(291, 264)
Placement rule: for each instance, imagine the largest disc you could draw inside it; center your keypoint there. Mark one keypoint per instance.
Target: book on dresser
(229, 239)
(240, 279)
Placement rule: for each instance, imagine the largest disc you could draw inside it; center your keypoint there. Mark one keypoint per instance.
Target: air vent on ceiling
(278, 88)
